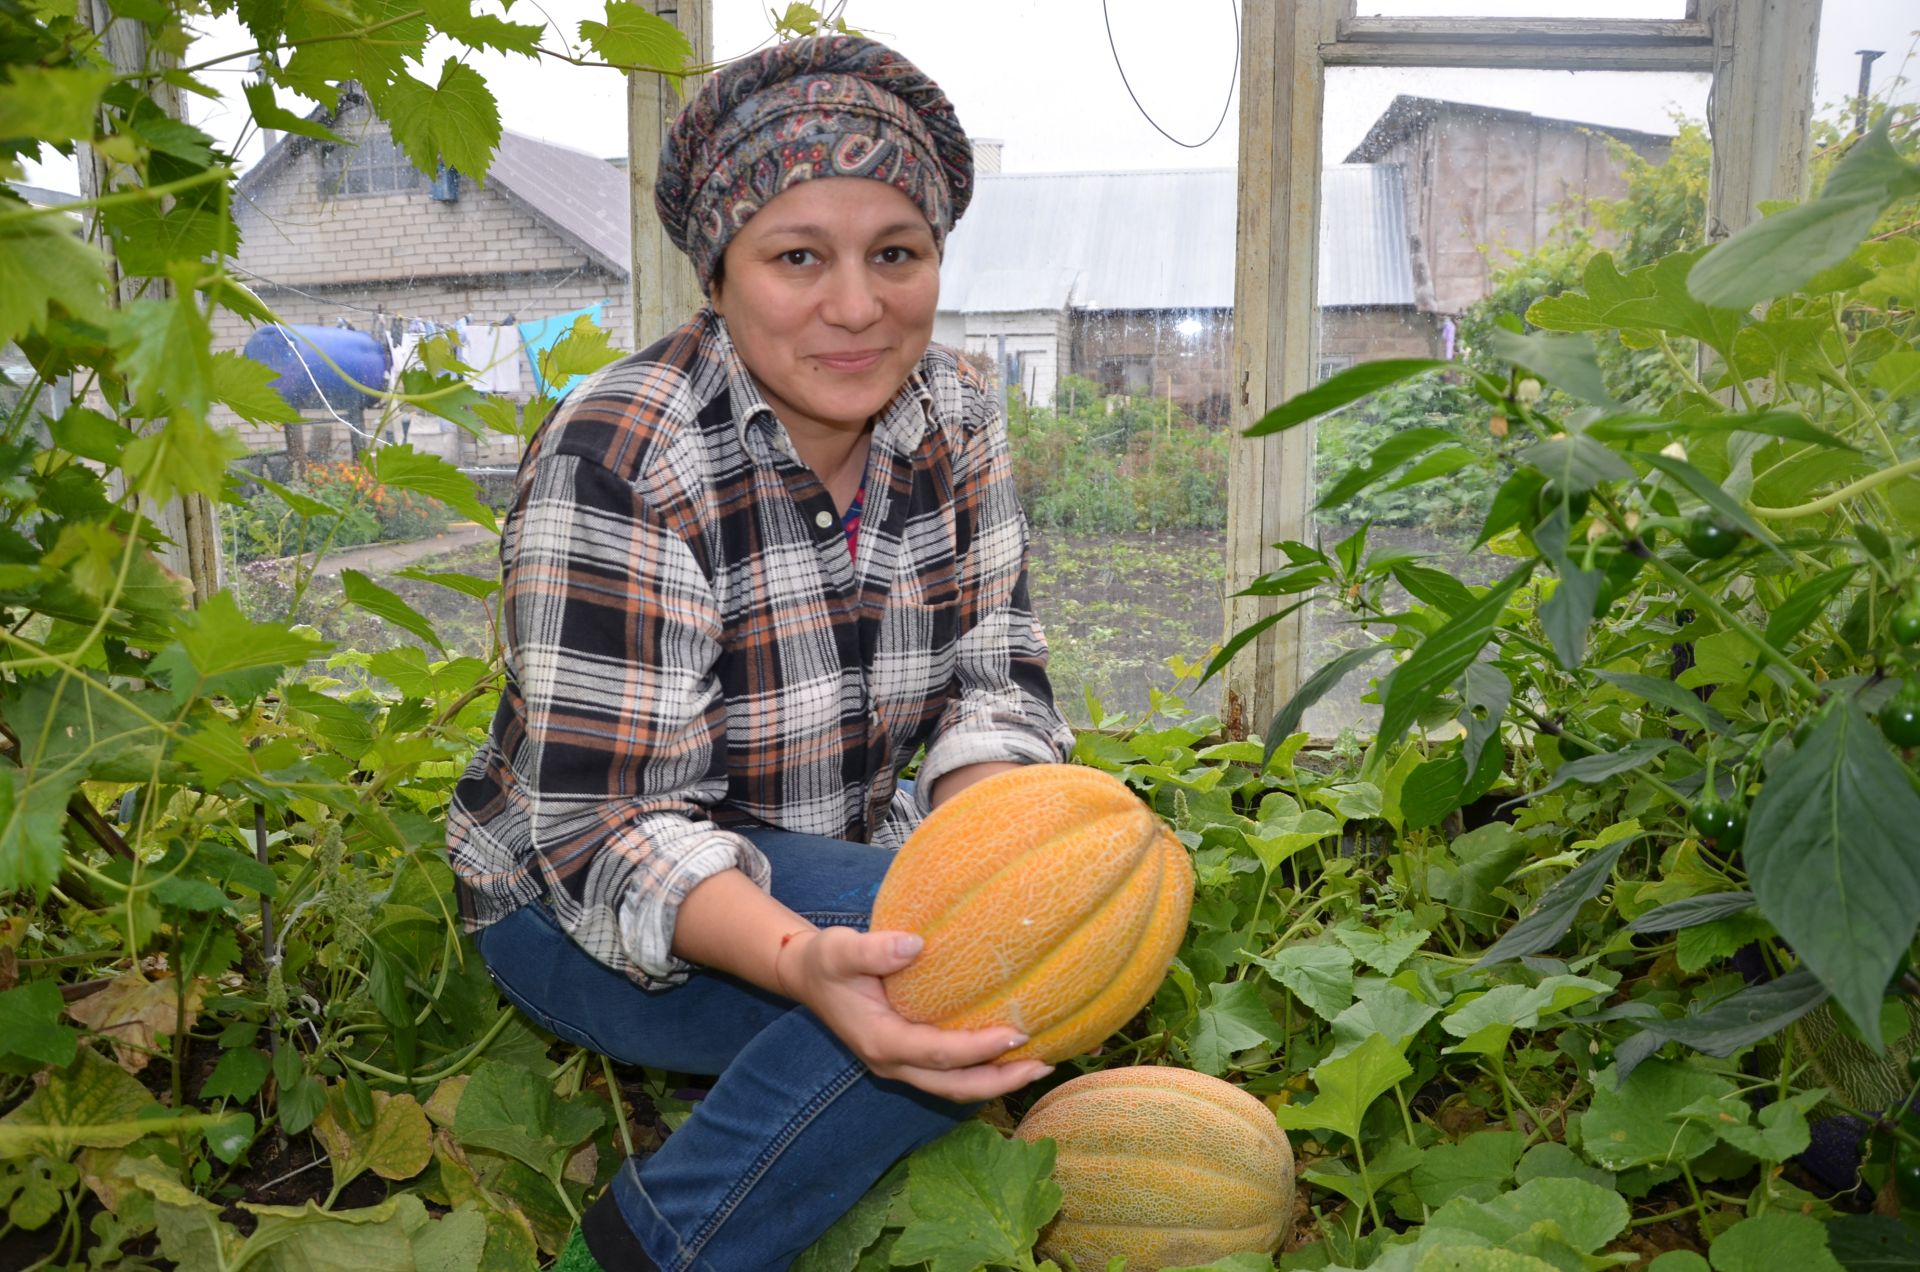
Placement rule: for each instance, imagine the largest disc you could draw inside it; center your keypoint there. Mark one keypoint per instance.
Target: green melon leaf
(1347, 1087)
(1769, 1242)
(30, 1027)
(976, 1198)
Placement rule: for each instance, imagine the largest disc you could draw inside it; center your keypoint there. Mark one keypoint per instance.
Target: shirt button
(823, 519)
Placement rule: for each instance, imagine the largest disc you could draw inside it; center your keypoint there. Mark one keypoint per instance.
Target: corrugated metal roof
(1159, 240)
(1365, 258)
(581, 195)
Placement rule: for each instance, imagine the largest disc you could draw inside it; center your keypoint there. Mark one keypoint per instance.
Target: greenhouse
(720, 637)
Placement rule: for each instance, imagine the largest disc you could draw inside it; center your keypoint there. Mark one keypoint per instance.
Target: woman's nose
(853, 299)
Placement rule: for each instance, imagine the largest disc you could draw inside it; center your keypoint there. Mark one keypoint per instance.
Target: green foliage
(1480, 966)
(1688, 763)
(1094, 464)
(341, 504)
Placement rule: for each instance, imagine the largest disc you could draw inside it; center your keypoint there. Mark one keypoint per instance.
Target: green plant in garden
(1099, 463)
(228, 948)
(1695, 675)
(1517, 978)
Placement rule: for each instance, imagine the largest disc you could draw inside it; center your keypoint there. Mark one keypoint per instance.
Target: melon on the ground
(1050, 898)
(1166, 1167)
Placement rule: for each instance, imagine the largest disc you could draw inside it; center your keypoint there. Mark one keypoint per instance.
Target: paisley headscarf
(829, 106)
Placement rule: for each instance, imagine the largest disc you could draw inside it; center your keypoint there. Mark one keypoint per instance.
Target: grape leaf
(456, 121)
(633, 37)
(247, 387)
(221, 651)
(405, 468)
(377, 600)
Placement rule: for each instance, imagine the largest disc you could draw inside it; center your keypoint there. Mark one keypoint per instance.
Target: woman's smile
(850, 362)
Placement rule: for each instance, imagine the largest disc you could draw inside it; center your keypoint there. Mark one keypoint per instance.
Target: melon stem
(1366, 1182)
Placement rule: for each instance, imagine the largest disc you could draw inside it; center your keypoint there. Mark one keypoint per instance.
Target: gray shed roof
(581, 195)
(1409, 114)
(1159, 240)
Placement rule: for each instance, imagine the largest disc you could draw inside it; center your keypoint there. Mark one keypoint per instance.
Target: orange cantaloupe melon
(1166, 1167)
(1050, 899)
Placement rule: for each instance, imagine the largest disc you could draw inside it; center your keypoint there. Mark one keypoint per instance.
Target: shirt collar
(901, 424)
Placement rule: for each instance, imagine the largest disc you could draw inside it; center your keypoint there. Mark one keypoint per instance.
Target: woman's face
(829, 292)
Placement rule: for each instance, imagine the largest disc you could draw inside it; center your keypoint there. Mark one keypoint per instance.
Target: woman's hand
(837, 971)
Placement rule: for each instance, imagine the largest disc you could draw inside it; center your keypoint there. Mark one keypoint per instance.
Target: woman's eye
(798, 256)
(895, 255)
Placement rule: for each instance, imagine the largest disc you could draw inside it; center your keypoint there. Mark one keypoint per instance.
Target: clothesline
(493, 354)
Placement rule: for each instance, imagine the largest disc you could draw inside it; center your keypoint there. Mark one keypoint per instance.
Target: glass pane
(347, 246)
(1450, 197)
(1093, 277)
(1658, 9)
(1883, 27)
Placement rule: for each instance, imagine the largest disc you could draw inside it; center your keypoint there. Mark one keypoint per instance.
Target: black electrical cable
(1232, 81)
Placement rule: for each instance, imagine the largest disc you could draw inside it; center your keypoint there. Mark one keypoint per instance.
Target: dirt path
(384, 558)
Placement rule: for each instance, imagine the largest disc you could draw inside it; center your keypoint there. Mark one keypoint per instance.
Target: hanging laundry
(543, 333)
(497, 359)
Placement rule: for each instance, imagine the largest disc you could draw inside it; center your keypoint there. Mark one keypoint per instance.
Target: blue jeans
(795, 1130)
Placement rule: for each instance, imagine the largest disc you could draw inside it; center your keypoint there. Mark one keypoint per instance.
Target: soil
(1117, 608)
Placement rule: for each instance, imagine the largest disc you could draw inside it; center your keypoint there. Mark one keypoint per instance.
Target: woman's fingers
(930, 1047)
(972, 1085)
(844, 971)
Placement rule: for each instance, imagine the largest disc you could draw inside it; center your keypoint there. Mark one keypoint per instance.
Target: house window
(375, 165)
(1131, 374)
(1332, 364)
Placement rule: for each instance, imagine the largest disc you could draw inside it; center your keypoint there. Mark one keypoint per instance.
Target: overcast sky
(1040, 76)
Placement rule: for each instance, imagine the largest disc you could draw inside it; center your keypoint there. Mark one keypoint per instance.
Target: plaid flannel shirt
(690, 645)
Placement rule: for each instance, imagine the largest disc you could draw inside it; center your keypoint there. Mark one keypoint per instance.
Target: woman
(750, 573)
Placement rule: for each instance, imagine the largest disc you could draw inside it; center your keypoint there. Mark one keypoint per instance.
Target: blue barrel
(305, 377)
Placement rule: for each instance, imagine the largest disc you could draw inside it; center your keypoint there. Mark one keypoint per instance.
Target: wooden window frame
(1760, 54)
(377, 160)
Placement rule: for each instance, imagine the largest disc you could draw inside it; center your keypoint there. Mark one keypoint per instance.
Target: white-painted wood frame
(1760, 53)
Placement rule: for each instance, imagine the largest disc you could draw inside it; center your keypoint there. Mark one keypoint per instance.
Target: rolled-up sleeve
(1002, 707)
(612, 634)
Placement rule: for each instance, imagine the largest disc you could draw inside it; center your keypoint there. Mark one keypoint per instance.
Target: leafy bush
(1451, 503)
(1699, 685)
(1095, 464)
(1526, 986)
(269, 524)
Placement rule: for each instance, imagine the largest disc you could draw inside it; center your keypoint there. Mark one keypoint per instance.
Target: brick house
(1484, 185)
(355, 234)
